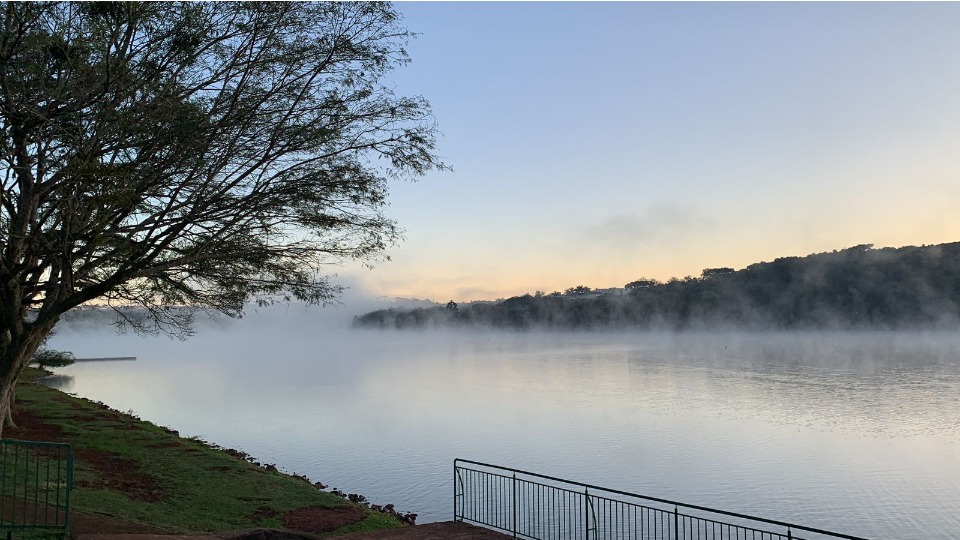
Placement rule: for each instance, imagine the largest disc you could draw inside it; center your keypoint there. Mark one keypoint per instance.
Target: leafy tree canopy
(171, 155)
(579, 290)
(45, 358)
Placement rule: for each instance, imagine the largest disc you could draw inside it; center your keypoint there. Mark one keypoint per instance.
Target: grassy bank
(133, 476)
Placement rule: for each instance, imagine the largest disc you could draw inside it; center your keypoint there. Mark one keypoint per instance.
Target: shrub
(46, 358)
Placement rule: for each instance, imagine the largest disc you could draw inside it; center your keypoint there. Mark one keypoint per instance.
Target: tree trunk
(6, 402)
(14, 356)
(8, 421)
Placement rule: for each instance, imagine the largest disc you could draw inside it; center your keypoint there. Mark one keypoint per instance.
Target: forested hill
(858, 287)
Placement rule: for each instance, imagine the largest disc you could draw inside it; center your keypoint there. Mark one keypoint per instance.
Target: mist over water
(854, 432)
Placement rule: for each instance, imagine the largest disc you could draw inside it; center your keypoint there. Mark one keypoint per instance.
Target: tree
(579, 291)
(714, 272)
(46, 358)
(183, 156)
(642, 283)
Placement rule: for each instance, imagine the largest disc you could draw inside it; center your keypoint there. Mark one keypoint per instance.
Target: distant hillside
(858, 287)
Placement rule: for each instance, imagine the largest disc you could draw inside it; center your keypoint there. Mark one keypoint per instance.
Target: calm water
(858, 433)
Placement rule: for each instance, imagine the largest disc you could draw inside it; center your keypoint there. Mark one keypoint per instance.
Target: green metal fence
(35, 483)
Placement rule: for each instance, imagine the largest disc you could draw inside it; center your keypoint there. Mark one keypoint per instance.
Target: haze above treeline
(855, 288)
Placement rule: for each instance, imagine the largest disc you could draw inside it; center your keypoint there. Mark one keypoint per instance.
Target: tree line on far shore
(854, 288)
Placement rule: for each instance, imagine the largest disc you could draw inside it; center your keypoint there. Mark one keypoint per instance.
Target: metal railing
(531, 505)
(35, 483)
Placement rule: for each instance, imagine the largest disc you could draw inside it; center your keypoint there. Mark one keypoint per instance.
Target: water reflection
(854, 432)
(60, 382)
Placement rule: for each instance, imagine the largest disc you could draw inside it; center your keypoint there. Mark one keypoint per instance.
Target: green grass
(176, 484)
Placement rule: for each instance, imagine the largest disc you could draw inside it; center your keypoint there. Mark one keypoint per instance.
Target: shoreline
(133, 476)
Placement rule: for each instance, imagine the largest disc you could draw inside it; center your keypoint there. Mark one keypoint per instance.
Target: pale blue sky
(594, 143)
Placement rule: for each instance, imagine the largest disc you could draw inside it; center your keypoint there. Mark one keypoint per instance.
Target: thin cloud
(653, 226)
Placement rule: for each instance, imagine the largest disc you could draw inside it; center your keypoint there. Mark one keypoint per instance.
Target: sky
(597, 143)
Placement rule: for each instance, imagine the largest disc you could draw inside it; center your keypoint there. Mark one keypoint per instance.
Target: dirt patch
(86, 418)
(263, 512)
(117, 473)
(97, 416)
(316, 519)
(127, 427)
(167, 444)
(18, 511)
(92, 523)
(31, 427)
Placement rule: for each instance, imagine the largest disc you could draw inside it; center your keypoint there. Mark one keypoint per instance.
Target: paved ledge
(121, 536)
(431, 531)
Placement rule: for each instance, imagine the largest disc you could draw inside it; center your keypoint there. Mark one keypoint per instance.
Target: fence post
(586, 513)
(514, 505)
(676, 523)
(66, 517)
(789, 534)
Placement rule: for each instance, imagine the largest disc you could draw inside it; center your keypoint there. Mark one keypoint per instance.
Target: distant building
(612, 291)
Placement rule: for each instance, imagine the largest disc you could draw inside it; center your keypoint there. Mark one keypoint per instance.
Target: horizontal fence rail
(531, 505)
(35, 483)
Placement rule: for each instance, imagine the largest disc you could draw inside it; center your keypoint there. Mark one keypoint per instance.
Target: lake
(853, 432)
